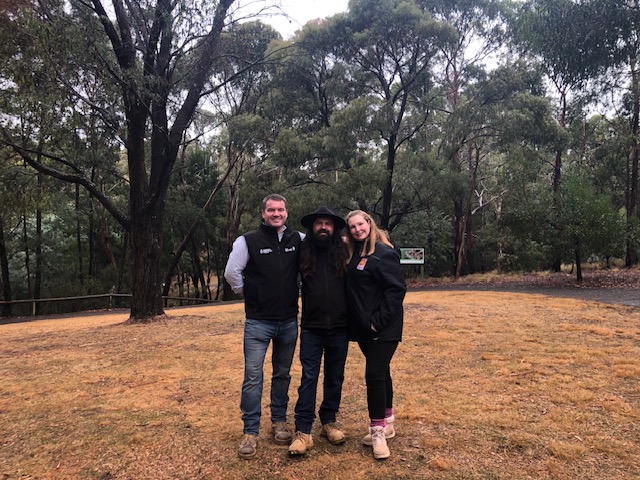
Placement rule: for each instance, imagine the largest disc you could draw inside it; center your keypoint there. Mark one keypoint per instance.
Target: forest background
(138, 138)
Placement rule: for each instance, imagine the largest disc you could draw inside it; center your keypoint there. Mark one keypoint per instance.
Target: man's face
(323, 228)
(275, 213)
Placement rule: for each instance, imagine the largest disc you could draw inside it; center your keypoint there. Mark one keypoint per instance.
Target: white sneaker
(389, 431)
(379, 443)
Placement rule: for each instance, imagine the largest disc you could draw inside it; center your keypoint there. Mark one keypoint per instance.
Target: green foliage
(570, 37)
(588, 221)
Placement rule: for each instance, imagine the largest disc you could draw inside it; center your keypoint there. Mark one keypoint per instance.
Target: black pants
(377, 374)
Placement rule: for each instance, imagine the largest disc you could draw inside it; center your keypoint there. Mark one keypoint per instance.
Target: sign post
(413, 256)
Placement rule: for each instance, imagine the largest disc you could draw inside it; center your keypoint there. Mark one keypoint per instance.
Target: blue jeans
(312, 346)
(257, 336)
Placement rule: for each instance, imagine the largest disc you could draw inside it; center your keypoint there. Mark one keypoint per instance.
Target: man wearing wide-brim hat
(324, 327)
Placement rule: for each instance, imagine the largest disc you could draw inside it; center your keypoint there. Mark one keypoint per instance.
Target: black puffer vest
(271, 274)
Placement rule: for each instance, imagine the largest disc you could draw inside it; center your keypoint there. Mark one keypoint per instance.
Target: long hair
(337, 254)
(376, 234)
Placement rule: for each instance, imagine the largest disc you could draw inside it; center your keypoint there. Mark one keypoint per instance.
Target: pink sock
(388, 412)
(378, 422)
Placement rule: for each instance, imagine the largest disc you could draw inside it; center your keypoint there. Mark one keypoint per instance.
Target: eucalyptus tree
(551, 33)
(468, 138)
(589, 224)
(391, 46)
(314, 144)
(596, 40)
(231, 112)
(160, 56)
(616, 26)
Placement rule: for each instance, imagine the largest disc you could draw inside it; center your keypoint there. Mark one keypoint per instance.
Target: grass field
(488, 386)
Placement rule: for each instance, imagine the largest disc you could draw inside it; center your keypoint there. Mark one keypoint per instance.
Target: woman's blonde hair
(376, 235)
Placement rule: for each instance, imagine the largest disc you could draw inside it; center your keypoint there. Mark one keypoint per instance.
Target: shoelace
(378, 436)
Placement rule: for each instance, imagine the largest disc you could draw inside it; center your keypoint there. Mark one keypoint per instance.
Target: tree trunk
(460, 226)
(146, 249)
(147, 217)
(4, 274)
(557, 171)
(557, 174)
(632, 197)
(578, 261)
(469, 244)
(37, 284)
(387, 193)
(473, 156)
(79, 237)
(198, 272)
(27, 256)
(123, 259)
(91, 237)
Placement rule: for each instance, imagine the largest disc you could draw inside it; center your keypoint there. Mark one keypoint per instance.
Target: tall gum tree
(462, 66)
(578, 41)
(546, 30)
(392, 45)
(160, 54)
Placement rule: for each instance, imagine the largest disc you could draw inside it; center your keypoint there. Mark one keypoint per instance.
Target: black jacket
(271, 274)
(376, 289)
(324, 298)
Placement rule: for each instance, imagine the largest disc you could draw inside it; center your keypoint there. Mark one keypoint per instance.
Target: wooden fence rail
(113, 300)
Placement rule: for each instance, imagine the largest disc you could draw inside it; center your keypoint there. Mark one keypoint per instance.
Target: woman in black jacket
(376, 289)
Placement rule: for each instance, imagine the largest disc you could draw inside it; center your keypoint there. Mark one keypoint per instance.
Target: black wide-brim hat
(323, 212)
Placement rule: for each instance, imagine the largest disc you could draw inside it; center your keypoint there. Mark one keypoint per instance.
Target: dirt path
(618, 286)
(615, 296)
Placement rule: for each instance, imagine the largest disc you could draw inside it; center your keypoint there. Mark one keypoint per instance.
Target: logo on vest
(289, 249)
(266, 251)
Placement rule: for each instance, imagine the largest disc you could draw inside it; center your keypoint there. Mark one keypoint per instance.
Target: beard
(322, 239)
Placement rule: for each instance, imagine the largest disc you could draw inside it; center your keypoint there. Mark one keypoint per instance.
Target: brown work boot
(389, 431)
(301, 443)
(281, 433)
(248, 445)
(333, 433)
(379, 443)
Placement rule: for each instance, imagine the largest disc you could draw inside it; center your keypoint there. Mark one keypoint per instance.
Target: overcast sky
(300, 11)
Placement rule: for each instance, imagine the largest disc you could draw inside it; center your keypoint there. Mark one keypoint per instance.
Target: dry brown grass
(488, 386)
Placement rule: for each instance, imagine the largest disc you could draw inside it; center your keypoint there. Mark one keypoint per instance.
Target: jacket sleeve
(392, 286)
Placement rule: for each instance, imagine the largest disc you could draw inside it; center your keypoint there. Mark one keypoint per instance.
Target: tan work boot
(301, 443)
(281, 433)
(248, 446)
(389, 431)
(333, 433)
(379, 443)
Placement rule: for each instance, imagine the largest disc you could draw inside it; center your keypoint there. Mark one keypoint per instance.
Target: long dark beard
(322, 242)
(335, 248)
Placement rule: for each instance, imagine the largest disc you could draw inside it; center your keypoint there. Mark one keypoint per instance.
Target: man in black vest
(263, 265)
(324, 327)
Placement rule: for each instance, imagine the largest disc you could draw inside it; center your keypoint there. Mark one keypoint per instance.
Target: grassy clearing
(488, 386)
